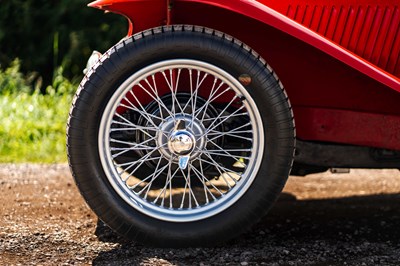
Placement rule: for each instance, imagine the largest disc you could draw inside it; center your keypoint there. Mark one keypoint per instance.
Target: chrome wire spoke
(152, 176)
(235, 130)
(146, 115)
(219, 168)
(158, 101)
(205, 187)
(169, 177)
(129, 122)
(173, 89)
(208, 103)
(194, 93)
(214, 163)
(191, 88)
(212, 126)
(226, 155)
(226, 116)
(168, 183)
(231, 150)
(205, 106)
(132, 143)
(223, 153)
(203, 177)
(155, 90)
(176, 88)
(156, 174)
(184, 194)
(165, 187)
(194, 101)
(124, 150)
(136, 162)
(136, 147)
(212, 96)
(131, 129)
(143, 160)
(142, 112)
(220, 135)
(221, 173)
(156, 97)
(133, 126)
(187, 178)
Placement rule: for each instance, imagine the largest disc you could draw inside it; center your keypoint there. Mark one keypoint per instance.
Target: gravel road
(321, 219)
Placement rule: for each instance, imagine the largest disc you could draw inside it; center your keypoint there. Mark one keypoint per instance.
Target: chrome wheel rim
(195, 136)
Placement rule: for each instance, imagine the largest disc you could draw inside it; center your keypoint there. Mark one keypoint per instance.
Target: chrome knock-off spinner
(181, 138)
(181, 142)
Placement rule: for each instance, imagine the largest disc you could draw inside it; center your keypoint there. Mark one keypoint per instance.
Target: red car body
(338, 60)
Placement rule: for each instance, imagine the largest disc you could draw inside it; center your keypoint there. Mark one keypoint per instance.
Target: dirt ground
(321, 219)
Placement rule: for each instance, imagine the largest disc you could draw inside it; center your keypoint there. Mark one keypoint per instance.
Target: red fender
(152, 13)
(141, 14)
(267, 15)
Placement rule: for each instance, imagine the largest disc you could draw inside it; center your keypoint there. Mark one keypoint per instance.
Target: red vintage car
(184, 134)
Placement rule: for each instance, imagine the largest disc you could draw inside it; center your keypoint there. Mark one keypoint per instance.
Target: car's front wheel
(180, 136)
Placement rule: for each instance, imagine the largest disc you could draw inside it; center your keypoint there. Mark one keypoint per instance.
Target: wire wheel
(181, 140)
(180, 136)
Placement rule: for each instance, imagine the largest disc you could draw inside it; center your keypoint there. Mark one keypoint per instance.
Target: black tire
(197, 44)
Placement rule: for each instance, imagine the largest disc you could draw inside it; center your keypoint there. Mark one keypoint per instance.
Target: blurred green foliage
(52, 41)
(12, 80)
(46, 34)
(33, 124)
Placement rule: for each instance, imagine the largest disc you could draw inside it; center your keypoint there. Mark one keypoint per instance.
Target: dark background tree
(46, 34)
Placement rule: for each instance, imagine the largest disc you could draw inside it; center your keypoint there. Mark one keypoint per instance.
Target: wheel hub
(181, 142)
(181, 136)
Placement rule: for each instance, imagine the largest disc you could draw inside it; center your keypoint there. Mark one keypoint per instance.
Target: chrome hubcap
(181, 142)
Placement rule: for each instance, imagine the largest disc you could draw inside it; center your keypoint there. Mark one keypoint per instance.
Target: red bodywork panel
(338, 60)
(145, 13)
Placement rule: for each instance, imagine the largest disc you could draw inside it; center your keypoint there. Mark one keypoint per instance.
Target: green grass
(32, 127)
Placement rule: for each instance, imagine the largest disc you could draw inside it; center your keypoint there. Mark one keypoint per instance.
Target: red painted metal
(263, 13)
(338, 59)
(370, 31)
(142, 14)
(138, 10)
(342, 126)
